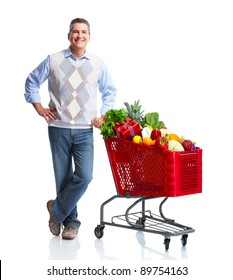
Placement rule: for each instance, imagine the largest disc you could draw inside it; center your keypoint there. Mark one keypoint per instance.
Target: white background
(176, 57)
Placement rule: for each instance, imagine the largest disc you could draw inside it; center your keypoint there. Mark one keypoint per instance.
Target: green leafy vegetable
(153, 120)
(113, 116)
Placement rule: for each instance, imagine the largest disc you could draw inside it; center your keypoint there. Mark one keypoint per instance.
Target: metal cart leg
(161, 210)
(99, 230)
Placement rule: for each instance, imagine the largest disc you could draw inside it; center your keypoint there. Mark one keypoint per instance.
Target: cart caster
(141, 223)
(166, 243)
(99, 231)
(184, 239)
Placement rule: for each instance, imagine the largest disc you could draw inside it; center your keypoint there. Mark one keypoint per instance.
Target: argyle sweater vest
(73, 90)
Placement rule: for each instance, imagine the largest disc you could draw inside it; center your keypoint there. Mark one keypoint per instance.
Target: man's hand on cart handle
(98, 121)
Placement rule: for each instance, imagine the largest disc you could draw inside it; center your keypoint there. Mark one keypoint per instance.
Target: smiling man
(74, 79)
(79, 36)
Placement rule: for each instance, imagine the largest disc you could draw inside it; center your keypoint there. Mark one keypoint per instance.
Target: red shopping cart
(145, 173)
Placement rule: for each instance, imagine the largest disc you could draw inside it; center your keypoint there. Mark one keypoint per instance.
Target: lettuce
(152, 119)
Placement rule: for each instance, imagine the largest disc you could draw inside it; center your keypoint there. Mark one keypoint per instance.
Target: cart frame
(144, 220)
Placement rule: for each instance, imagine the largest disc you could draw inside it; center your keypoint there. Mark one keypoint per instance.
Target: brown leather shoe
(69, 232)
(55, 228)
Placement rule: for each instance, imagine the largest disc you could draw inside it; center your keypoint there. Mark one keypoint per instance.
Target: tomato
(155, 134)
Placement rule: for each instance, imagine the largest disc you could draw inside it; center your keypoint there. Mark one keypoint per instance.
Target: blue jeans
(73, 155)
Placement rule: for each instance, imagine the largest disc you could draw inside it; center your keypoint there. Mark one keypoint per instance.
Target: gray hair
(79, 20)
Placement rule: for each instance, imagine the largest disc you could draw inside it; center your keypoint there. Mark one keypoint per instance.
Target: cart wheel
(140, 223)
(184, 239)
(166, 243)
(99, 231)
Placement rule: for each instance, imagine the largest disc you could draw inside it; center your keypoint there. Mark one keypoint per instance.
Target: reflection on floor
(132, 247)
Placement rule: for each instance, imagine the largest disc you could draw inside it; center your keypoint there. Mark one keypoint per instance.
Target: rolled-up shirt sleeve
(108, 91)
(34, 80)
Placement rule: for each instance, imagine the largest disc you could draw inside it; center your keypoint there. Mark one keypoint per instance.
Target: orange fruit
(147, 141)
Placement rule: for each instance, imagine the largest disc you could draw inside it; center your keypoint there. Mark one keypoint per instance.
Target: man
(73, 75)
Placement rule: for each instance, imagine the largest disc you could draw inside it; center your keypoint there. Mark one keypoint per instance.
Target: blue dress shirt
(41, 73)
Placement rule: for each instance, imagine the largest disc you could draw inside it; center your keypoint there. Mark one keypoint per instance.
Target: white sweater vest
(73, 90)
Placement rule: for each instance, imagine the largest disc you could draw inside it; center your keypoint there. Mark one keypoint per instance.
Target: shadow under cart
(144, 220)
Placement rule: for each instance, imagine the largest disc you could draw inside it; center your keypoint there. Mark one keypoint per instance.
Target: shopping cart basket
(145, 173)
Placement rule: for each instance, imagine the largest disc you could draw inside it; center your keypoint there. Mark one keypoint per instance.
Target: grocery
(174, 145)
(147, 141)
(155, 134)
(134, 111)
(162, 143)
(187, 144)
(137, 139)
(130, 124)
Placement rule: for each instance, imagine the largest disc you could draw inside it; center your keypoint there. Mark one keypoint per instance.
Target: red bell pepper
(161, 143)
(187, 144)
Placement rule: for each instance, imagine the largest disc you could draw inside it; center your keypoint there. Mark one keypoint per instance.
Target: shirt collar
(68, 53)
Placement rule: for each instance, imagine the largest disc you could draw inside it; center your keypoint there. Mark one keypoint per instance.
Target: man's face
(79, 36)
